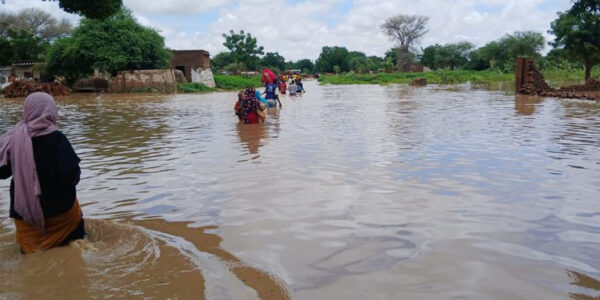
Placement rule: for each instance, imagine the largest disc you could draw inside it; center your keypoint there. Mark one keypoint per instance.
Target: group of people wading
(45, 168)
(252, 108)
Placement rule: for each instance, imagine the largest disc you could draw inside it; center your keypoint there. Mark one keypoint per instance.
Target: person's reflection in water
(583, 281)
(525, 105)
(251, 134)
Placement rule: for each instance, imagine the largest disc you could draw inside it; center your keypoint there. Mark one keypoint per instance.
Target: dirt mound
(20, 89)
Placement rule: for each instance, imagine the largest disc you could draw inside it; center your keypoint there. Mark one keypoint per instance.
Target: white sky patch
(299, 29)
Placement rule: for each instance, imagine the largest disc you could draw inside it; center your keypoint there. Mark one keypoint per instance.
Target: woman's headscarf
(40, 115)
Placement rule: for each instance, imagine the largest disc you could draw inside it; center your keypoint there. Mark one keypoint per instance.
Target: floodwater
(350, 192)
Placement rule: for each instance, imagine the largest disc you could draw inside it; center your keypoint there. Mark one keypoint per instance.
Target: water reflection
(584, 281)
(525, 105)
(361, 192)
(251, 135)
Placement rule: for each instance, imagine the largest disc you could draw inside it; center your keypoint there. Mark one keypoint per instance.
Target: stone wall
(529, 81)
(164, 81)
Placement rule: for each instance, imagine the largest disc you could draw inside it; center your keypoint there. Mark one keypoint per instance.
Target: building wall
(164, 81)
(190, 60)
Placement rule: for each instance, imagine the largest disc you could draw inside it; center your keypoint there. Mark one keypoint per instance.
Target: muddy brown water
(350, 192)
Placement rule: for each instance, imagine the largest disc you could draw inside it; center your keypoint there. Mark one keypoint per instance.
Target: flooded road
(350, 192)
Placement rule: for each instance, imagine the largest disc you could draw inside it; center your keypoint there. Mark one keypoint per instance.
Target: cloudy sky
(299, 28)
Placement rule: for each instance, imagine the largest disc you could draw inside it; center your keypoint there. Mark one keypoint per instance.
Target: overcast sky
(298, 28)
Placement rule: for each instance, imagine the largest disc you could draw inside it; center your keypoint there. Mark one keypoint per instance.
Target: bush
(194, 87)
(228, 82)
(437, 77)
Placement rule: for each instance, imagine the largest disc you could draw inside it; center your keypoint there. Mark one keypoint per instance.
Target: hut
(195, 65)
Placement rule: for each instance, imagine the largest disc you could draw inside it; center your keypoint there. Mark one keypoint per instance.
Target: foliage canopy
(110, 45)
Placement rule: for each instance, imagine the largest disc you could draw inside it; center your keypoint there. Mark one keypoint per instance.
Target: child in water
(293, 88)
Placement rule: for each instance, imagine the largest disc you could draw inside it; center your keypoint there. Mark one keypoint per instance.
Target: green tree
(500, 54)
(331, 57)
(577, 32)
(454, 55)
(219, 61)
(22, 46)
(273, 60)
(375, 63)
(110, 45)
(392, 55)
(243, 47)
(304, 64)
(359, 64)
(6, 52)
(89, 9)
(429, 56)
(37, 22)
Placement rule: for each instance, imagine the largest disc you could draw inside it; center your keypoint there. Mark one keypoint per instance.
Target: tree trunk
(588, 70)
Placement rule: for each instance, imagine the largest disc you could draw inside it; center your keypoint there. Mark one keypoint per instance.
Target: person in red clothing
(282, 87)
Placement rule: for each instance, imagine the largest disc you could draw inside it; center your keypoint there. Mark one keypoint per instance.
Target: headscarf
(249, 103)
(16, 148)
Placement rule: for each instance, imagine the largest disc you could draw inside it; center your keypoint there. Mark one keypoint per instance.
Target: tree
(242, 46)
(455, 55)
(375, 63)
(21, 46)
(89, 9)
(6, 52)
(429, 57)
(37, 22)
(500, 54)
(304, 65)
(111, 45)
(26, 47)
(331, 57)
(273, 60)
(576, 31)
(581, 6)
(219, 61)
(406, 31)
(359, 64)
(392, 55)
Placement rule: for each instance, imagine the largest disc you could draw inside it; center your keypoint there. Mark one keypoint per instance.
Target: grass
(576, 75)
(230, 82)
(194, 87)
(436, 77)
(452, 77)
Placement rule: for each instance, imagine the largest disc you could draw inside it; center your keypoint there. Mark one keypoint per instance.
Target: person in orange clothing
(45, 171)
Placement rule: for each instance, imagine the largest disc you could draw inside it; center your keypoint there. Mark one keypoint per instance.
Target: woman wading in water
(45, 171)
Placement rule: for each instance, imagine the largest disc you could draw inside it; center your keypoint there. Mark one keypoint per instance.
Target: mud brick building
(190, 60)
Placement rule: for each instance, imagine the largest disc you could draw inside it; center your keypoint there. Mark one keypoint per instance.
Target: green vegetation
(117, 43)
(439, 77)
(227, 82)
(21, 46)
(452, 77)
(243, 49)
(90, 9)
(406, 31)
(576, 33)
(194, 87)
(35, 21)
